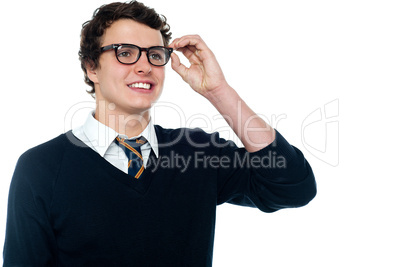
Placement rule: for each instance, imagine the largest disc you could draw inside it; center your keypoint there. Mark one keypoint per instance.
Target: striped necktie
(132, 148)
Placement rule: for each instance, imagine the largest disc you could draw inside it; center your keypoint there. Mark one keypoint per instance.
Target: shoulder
(37, 169)
(52, 146)
(47, 154)
(183, 135)
(190, 137)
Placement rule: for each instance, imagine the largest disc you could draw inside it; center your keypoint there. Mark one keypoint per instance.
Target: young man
(91, 197)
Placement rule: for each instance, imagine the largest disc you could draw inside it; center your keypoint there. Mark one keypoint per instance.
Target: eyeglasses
(129, 54)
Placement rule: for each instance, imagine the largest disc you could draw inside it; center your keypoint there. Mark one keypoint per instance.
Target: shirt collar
(102, 136)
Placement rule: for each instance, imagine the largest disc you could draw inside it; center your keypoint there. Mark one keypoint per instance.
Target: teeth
(140, 85)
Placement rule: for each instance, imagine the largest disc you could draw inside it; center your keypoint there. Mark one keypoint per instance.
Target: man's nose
(142, 66)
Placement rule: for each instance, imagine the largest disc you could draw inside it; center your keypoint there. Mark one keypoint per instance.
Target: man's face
(120, 84)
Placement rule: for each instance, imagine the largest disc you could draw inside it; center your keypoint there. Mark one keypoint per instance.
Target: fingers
(191, 54)
(204, 73)
(188, 40)
(192, 45)
(177, 66)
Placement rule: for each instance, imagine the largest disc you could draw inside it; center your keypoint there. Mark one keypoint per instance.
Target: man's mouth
(146, 86)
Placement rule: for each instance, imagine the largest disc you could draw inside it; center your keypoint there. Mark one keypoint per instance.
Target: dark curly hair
(103, 17)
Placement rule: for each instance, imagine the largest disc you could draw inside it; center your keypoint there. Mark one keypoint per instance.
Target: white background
(287, 59)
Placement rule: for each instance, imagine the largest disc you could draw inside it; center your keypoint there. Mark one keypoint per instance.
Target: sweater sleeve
(275, 177)
(29, 237)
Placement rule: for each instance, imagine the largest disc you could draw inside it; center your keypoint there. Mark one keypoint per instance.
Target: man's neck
(124, 123)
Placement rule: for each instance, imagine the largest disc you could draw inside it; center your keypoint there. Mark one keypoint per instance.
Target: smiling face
(131, 88)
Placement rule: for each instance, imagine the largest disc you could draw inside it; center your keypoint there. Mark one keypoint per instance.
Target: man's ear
(91, 72)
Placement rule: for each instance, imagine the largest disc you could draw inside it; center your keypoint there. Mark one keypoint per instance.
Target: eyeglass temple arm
(108, 47)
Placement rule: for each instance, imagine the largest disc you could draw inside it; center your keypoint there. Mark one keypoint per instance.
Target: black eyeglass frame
(116, 47)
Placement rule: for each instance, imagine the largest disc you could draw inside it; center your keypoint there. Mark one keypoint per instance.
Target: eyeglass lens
(128, 54)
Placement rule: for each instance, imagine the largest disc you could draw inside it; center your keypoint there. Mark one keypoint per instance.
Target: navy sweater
(70, 207)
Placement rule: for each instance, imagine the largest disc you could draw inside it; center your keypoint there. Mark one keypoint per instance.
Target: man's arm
(206, 77)
(29, 237)
(290, 184)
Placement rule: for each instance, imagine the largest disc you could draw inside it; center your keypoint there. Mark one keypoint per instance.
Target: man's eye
(155, 56)
(124, 54)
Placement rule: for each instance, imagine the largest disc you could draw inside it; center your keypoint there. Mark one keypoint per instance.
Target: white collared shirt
(100, 138)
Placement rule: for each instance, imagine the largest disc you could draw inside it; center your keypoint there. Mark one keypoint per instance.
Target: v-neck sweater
(68, 206)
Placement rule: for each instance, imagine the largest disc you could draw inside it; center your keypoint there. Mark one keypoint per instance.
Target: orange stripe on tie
(139, 141)
(131, 148)
(139, 172)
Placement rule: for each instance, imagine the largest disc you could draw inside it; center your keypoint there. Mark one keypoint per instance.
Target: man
(121, 191)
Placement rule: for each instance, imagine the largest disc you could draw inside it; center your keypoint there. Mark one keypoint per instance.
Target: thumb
(177, 66)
